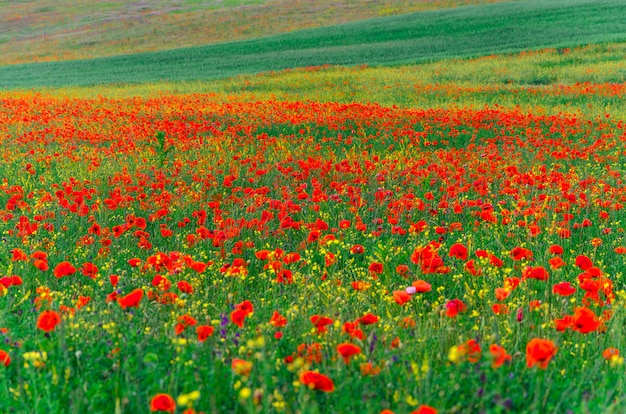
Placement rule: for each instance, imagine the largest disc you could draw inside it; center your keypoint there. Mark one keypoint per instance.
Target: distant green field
(419, 37)
(54, 30)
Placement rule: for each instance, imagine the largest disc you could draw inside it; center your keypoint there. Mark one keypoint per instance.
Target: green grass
(419, 37)
(52, 30)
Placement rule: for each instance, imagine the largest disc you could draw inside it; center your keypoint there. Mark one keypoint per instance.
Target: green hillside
(461, 32)
(53, 30)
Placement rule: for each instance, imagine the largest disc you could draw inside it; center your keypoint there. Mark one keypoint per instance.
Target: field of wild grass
(52, 30)
(445, 237)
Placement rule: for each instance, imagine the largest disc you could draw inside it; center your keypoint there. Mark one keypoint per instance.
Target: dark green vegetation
(462, 32)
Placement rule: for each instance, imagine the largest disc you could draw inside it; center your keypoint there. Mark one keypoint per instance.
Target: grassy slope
(48, 30)
(528, 79)
(461, 32)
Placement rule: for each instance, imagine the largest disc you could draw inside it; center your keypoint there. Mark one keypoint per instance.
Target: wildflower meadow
(231, 247)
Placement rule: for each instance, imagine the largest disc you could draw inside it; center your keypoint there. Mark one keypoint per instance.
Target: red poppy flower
(161, 283)
(114, 279)
(131, 300)
(563, 323)
(556, 249)
(245, 306)
(368, 319)
(90, 270)
(459, 251)
(18, 255)
(238, 316)
(320, 322)
(185, 287)
(500, 309)
(5, 358)
(519, 253)
(564, 289)
(538, 273)
(357, 249)
(277, 320)
(347, 351)
(184, 321)
(540, 352)
(64, 269)
(454, 307)
(424, 409)
(585, 320)
(48, 320)
(162, 402)
(402, 270)
(203, 332)
(41, 265)
(376, 268)
(583, 262)
(499, 355)
(317, 381)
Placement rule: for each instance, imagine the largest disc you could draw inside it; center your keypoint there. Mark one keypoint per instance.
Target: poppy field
(215, 253)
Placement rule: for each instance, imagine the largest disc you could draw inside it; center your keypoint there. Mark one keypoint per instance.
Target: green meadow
(461, 32)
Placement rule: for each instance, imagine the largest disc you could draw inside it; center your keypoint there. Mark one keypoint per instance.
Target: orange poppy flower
(607, 354)
(556, 262)
(41, 265)
(502, 293)
(18, 254)
(241, 367)
(184, 321)
(317, 381)
(421, 286)
(470, 350)
(401, 297)
(277, 320)
(499, 355)
(360, 285)
(48, 320)
(540, 352)
(162, 402)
